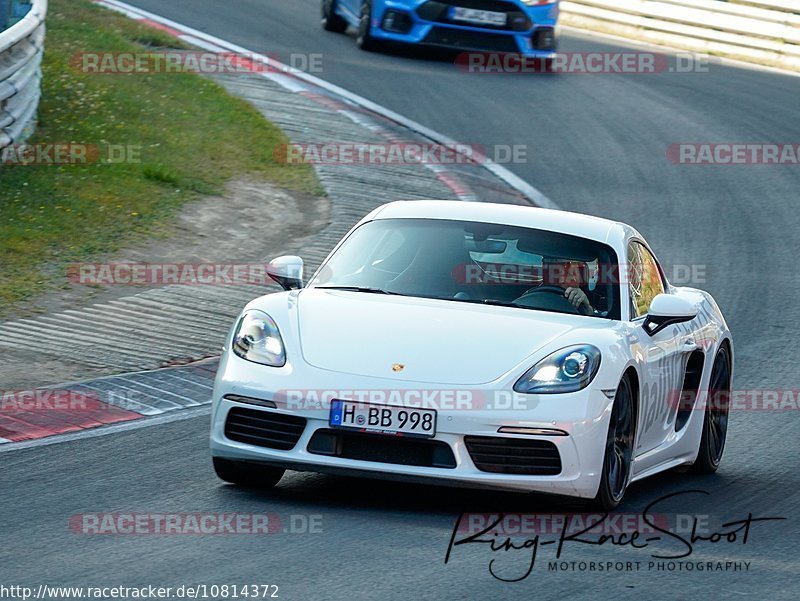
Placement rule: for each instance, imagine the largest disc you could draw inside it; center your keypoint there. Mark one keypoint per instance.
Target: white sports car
(479, 345)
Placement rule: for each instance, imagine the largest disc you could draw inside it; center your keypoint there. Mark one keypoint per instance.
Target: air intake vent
(514, 455)
(691, 384)
(470, 40)
(384, 449)
(264, 428)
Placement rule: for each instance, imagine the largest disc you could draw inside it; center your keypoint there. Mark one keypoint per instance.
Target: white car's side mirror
(287, 271)
(668, 309)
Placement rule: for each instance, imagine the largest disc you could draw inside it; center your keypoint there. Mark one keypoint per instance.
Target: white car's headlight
(257, 339)
(566, 370)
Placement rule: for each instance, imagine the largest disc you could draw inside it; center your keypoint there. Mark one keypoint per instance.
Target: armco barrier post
(21, 50)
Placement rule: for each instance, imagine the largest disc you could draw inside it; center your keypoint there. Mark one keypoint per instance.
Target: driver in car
(579, 280)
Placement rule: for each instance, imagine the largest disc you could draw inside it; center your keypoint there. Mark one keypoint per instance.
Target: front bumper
(583, 417)
(425, 22)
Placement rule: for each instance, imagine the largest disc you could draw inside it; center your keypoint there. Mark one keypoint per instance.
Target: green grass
(193, 137)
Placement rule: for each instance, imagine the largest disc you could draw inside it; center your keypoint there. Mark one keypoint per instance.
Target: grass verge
(188, 137)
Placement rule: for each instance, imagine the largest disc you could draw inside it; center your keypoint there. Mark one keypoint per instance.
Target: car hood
(437, 341)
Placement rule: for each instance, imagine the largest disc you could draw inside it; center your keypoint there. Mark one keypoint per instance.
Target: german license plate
(479, 17)
(383, 419)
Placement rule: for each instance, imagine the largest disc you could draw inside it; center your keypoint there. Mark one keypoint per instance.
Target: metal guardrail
(21, 50)
(12, 11)
(759, 31)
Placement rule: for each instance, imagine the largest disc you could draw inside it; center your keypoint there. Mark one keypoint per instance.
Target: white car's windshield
(477, 263)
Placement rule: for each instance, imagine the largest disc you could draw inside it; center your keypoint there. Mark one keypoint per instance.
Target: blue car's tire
(364, 38)
(330, 20)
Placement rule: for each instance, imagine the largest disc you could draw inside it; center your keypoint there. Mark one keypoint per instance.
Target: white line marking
(129, 14)
(190, 39)
(111, 395)
(514, 181)
(165, 370)
(286, 81)
(177, 376)
(161, 391)
(106, 430)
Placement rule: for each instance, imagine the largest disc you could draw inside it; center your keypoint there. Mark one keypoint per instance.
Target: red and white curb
(105, 402)
(304, 83)
(36, 422)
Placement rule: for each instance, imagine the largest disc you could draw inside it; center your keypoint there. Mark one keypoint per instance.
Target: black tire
(618, 454)
(715, 418)
(364, 40)
(330, 20)
(250, 475)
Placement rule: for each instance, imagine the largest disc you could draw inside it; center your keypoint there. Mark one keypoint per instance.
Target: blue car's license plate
(477, 16)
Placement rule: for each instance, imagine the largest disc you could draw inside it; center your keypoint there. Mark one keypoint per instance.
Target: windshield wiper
(359, 289)
(499, 303)
(488, 301)
(483, 301)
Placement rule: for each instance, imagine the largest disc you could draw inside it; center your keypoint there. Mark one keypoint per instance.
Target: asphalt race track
(597, 144)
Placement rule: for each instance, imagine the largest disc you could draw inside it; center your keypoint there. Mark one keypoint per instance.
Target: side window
(644, 279)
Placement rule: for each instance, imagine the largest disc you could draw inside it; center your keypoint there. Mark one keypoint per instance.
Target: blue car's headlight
(566, 370)
(257, 339)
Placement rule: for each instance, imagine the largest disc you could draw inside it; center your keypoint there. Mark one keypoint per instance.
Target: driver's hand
(579, 300)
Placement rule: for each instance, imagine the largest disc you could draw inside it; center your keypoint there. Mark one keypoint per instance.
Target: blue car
(516, 26)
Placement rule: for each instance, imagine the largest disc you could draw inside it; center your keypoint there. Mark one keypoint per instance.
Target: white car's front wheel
(618, 454)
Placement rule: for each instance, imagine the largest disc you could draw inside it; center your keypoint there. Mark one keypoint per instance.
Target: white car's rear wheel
(715, 420)
(251, 475)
